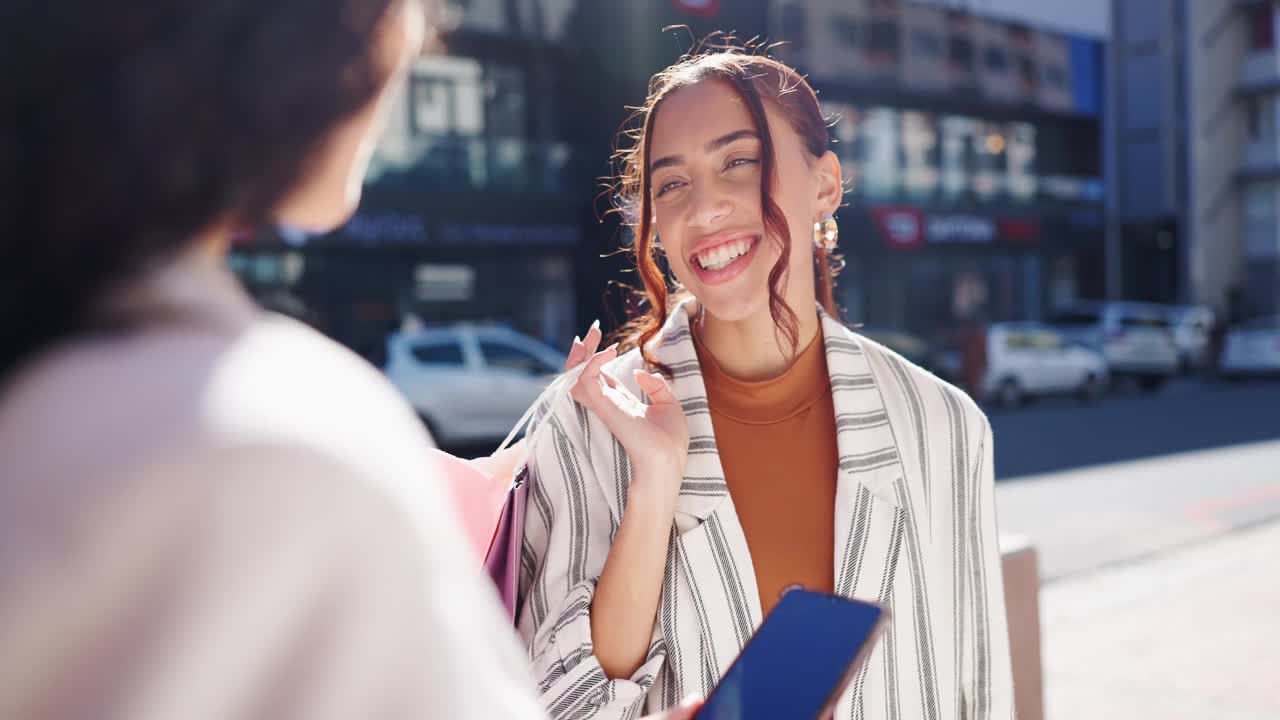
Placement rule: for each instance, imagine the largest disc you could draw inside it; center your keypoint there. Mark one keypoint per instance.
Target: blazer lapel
(711, 591)
(868, 516)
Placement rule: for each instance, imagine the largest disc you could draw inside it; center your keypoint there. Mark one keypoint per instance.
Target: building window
(1262, 33)
(1026, 69)
(446, 96)
(882, 37)
(919, 153)
(793, 23)
(1262, 220)
(1055, 76)
(960, 51)
(847, 32)
(505, 101)
(996, 59)
(926, 45)
(1260, 114)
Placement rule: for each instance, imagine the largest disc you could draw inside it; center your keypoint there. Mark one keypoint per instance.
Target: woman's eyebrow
(727, 138)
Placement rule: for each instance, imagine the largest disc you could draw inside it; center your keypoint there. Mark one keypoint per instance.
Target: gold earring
(825, 233)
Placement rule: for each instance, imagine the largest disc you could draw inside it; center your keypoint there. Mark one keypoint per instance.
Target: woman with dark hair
(748, 441)
(206, 511)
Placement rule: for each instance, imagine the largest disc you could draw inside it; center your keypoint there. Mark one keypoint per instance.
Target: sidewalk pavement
(1192, 633)
(1093, 517)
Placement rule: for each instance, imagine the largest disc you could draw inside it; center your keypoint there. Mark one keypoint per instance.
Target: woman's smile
(721, 257)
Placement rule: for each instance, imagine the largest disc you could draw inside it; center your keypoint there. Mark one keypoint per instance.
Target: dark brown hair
(755, 77)
(134, 126)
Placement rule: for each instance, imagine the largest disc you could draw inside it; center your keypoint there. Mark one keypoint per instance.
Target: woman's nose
(709, 207)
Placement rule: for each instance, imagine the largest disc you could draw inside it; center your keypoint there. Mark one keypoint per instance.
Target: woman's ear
(830, 184)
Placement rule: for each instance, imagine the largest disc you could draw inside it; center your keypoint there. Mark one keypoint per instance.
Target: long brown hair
(754, 77)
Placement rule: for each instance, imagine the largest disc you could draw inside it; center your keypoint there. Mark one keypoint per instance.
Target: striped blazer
(914, 525)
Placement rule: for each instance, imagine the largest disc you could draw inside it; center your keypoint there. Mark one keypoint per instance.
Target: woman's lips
(722, 272)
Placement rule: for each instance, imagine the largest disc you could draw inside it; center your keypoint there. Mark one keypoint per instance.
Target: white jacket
(228, 517)
(915, 530)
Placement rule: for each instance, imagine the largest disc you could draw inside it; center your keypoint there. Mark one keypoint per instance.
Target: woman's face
(704, 161)
(330, 192)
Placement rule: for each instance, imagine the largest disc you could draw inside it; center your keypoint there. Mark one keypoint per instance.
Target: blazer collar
(864, 440)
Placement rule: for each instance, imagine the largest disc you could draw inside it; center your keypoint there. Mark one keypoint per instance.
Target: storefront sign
(493, 234)
(901, 228)
(961, 229)
(908, 228)
(385, 228)
(1019, 230)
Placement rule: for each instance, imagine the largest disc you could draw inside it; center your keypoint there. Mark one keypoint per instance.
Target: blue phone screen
(796, 659)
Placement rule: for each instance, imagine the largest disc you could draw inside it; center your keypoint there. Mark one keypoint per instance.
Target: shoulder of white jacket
(892, 370)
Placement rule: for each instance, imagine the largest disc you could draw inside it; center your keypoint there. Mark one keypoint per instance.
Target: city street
(1096, 485)
(1061, 434)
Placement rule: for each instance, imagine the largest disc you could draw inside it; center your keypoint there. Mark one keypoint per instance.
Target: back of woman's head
(131, 127)
(759, 81)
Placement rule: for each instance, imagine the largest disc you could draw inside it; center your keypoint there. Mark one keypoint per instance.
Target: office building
(1195, 90)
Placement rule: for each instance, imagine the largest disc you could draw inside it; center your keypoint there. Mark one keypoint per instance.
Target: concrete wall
(1216, 42)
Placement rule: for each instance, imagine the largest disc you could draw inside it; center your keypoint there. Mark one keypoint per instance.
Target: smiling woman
(747, 441)
(672, 180)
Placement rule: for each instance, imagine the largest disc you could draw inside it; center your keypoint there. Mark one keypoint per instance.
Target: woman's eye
(669, 187)
(738, 162)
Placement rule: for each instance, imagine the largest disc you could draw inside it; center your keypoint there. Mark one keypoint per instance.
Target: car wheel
(1151, 383)
(1009, 393)
(1092, 389)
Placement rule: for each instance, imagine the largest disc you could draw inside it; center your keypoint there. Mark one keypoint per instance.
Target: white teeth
(720, 257)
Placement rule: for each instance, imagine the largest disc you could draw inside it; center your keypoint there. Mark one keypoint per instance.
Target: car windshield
(445, 352)
(1076, 318)
(1147, 321)
(499, 354)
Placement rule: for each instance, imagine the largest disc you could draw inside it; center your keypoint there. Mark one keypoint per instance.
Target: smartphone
(799, 661)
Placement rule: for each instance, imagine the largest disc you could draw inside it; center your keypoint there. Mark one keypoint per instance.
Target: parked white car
(1134, 338)
(1192, 326)
(1030, 359)
(470, 383)
(1252, 348)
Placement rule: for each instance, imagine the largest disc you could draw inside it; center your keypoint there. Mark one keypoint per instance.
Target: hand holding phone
(799, 661)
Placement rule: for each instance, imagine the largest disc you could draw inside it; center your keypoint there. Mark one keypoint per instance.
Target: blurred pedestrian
(973, 353)
(206, 511)
(748, 441)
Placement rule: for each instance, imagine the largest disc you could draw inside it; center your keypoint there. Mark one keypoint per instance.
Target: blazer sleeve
(985, 672)
(568, 531)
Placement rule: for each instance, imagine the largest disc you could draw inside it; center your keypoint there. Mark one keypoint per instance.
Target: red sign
(902, 228)
(700, 8)
(909, 228)
(1021, 230)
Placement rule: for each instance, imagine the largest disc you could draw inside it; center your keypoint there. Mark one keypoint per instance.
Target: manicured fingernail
(577, 340)
(595, 325)
(611, 347)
